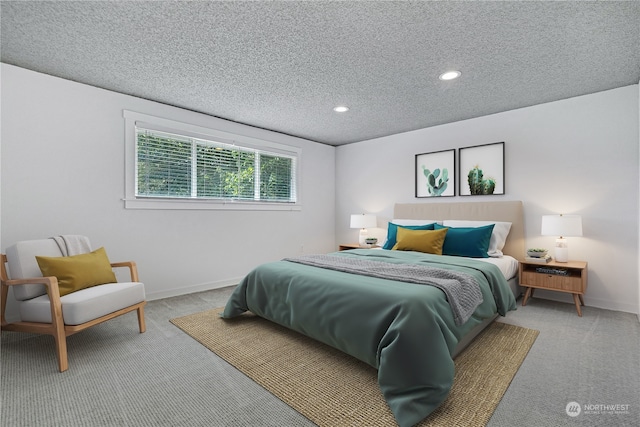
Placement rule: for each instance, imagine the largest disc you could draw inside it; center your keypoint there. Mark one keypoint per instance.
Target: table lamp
(363, 221)
(563, 226)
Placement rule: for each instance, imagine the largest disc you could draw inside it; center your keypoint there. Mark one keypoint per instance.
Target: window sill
(188, 204)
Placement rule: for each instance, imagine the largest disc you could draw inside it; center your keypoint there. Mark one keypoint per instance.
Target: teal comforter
(404, 330)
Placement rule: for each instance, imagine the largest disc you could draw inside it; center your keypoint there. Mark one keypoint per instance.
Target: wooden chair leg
(57, 323)
(61, 350)
(141, 324)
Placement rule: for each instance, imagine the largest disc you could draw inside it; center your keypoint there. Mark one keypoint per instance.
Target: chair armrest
(133, 268)
(47, 281)
(50, 282)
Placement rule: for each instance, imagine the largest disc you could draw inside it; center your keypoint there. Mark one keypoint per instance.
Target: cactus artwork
(436, 183)
(484, 169)
(478, 185)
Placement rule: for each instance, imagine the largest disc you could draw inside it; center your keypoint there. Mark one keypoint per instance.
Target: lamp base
(363, 237)
(561, 250)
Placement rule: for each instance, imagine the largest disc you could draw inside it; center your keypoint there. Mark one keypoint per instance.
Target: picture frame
(482, 170)
(436, 174)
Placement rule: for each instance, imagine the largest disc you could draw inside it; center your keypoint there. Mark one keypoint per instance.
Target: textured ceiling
(284, 65)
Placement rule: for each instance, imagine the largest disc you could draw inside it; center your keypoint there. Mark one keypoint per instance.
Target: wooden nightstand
(347, 246)
(573, 279)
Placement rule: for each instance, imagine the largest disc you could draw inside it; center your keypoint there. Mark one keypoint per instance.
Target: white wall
(63, 173)
(579, 155)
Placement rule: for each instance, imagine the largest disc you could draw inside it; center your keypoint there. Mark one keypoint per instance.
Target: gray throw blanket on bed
(462, 290)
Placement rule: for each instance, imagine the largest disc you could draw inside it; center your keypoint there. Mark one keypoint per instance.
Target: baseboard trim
(151, 296)
(588, 301)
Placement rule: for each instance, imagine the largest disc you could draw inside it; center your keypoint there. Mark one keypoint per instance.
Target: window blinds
(170, 165)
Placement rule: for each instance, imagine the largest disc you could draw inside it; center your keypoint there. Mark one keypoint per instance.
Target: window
(182, 166)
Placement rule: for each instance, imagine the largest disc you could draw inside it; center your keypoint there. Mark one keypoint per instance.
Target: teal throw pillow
(470, 242)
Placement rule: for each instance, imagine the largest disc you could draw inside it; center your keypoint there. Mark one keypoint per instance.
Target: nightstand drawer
(552, 281)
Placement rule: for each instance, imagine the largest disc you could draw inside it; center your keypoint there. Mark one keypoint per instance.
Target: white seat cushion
(84, 305)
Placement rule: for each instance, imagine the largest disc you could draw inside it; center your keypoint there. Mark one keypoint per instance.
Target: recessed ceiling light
(341, 109)
(450, 75)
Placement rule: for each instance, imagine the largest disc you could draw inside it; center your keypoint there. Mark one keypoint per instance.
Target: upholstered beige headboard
(510, 211)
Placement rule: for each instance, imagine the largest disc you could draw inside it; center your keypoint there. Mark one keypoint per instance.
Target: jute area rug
(333, 389)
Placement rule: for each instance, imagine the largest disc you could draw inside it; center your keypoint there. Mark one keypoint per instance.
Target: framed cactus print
(482, 170)
(436, 174)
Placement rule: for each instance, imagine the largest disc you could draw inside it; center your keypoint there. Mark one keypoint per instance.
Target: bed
(375, 305)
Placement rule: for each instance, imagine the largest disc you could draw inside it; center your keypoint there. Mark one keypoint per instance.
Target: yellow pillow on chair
(78, 271)
(428, 241)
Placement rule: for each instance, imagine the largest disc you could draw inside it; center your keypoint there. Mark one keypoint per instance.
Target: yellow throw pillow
(78, 271)
(428, 241)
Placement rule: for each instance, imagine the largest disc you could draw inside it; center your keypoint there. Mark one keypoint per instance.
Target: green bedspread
(405, 330)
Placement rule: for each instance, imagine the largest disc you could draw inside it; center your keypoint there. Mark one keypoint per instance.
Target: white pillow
(498, 235)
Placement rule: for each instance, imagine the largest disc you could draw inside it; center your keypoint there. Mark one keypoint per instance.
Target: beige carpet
(334, 389)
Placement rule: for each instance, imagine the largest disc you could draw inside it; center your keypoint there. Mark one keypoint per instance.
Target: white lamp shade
(363, 221)
(561, 225)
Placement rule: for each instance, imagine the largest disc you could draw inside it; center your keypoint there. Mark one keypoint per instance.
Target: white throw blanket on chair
(71, 244)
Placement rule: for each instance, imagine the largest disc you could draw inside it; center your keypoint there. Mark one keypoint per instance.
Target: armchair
(42, 308)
